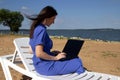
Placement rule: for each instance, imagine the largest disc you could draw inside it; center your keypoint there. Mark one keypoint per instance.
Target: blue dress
(51, 67)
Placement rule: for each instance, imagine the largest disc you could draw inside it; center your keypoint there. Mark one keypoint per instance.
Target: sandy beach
(98, 56)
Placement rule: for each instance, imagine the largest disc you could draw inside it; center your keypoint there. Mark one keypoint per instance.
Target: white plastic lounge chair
(22, 52)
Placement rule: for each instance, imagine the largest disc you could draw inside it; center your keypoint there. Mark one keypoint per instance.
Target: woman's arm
(41, 54)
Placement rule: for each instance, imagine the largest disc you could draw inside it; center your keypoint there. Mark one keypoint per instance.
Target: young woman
(45, 62)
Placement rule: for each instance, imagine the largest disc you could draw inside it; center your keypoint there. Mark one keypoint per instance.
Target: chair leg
(14, 56)
(6, 69)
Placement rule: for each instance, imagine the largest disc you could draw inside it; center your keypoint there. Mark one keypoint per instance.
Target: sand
(97, 56)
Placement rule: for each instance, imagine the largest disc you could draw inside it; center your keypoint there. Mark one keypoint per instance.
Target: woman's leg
(70, 66)
(60, 67)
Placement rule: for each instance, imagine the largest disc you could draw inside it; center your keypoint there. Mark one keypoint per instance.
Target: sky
(72, 14)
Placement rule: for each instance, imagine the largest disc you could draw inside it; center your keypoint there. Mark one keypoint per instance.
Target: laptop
(72, 49)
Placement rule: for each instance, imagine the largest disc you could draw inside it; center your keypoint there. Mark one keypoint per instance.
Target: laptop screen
(72, 48)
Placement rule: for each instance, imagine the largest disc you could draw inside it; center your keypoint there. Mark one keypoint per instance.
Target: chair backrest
(22, 48)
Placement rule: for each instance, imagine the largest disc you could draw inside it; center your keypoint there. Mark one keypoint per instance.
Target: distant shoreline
(92, 34)
(75, 29)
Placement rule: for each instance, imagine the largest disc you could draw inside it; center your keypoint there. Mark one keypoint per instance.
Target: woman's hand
(61, 55)
(56, 52)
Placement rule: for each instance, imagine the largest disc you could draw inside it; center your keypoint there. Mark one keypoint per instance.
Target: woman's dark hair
(46, 12)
